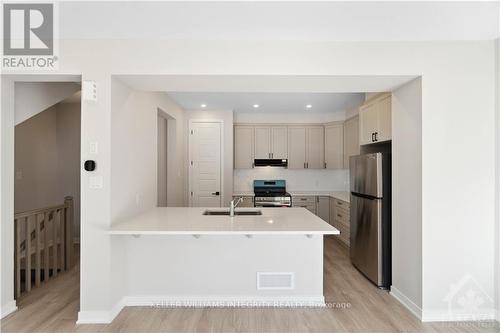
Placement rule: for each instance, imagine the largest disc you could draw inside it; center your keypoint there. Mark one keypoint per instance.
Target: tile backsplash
(296, 180)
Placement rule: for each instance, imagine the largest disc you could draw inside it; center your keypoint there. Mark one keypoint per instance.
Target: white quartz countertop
(341, 195)
(191, 221)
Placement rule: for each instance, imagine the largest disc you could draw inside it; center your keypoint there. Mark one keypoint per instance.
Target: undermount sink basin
(238, 212)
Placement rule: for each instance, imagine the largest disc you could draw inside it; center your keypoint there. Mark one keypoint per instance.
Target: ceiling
(307, 21)
(242, 102)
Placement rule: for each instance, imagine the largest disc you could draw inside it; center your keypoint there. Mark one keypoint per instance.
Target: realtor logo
(29, 36)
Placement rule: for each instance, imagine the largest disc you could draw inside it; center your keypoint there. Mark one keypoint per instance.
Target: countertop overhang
(191, 221)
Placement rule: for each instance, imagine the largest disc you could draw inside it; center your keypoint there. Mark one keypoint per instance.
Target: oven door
(271, 204)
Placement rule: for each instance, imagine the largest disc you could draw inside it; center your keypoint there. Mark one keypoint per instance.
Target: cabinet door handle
(307, 165)
(304, 165)
(376, 139)
(272, 155)
(373, 137)
(216, 193)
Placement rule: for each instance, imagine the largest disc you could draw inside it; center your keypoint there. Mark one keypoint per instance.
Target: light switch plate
(95, 182)
(94, 147)
(89, 91)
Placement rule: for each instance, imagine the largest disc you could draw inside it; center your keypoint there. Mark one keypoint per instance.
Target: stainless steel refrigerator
(370, 238)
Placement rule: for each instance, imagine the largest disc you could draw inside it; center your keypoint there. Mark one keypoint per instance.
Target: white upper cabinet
(384, 132)
(279, 142)
(271, 142)
(315, 147)
(243, 147)
(367, 123)
(306, 147)
(297, 147)
(351, 139)
(375, 120)
(262, 142)
(334, 142)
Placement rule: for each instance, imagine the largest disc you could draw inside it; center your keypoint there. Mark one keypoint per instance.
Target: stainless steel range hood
(271, 162)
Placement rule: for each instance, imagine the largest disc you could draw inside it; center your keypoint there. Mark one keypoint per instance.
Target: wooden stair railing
(43, 243)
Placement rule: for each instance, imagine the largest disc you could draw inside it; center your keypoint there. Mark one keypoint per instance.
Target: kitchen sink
(238, 212)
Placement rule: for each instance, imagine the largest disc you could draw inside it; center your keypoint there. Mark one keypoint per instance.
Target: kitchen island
(179, 256)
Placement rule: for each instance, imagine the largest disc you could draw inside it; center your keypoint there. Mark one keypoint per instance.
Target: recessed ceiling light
(256, 106)
(203, 105)
(309, 106)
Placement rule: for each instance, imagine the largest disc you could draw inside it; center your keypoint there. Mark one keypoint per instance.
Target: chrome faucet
(233, 206)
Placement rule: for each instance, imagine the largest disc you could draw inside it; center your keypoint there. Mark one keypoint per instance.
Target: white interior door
(205, 164)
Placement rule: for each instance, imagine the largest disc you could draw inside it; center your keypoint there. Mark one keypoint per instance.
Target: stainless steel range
(271, 193)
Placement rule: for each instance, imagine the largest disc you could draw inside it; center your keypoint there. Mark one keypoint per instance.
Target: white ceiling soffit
(307, 21)
(269, 102)
(264, 83)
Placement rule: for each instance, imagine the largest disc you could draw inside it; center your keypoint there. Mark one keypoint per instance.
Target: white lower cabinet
(323, 208)
(308, 202)
(331, 210)
(340, 219)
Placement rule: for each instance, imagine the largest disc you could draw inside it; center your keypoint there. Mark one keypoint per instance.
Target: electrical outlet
(89, 91)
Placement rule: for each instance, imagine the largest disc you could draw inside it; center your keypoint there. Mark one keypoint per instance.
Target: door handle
(373, 137)
(216, 193)
(376, 133)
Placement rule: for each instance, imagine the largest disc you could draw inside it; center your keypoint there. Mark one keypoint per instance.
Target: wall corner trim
(407, 302)
(8, 308)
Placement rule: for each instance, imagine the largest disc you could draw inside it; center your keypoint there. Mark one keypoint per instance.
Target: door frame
(7, 158)
(221, 162)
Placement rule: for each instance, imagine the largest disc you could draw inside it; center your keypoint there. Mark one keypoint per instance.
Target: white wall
(227, 164)
(451, 106)
(407, 194)
(47, 160)
(34, 97)
(134, 150)
(162, 161)
(68, 157)
(7, 121)
(134, 117)
(36, 162)
(497, 150)
(210, 268)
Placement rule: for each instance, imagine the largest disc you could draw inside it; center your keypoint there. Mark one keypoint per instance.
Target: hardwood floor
(54, 308)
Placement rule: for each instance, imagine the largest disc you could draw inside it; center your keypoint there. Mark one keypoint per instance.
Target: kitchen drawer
(344, 232)
(308, 200)
(342, 215)
(341, 204)
(310, 207)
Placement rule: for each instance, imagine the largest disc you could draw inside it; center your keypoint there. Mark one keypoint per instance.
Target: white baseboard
(106, 317)
(225, 301)
(8, 308)
(444, 316)
(408, 303)
(100, 317)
